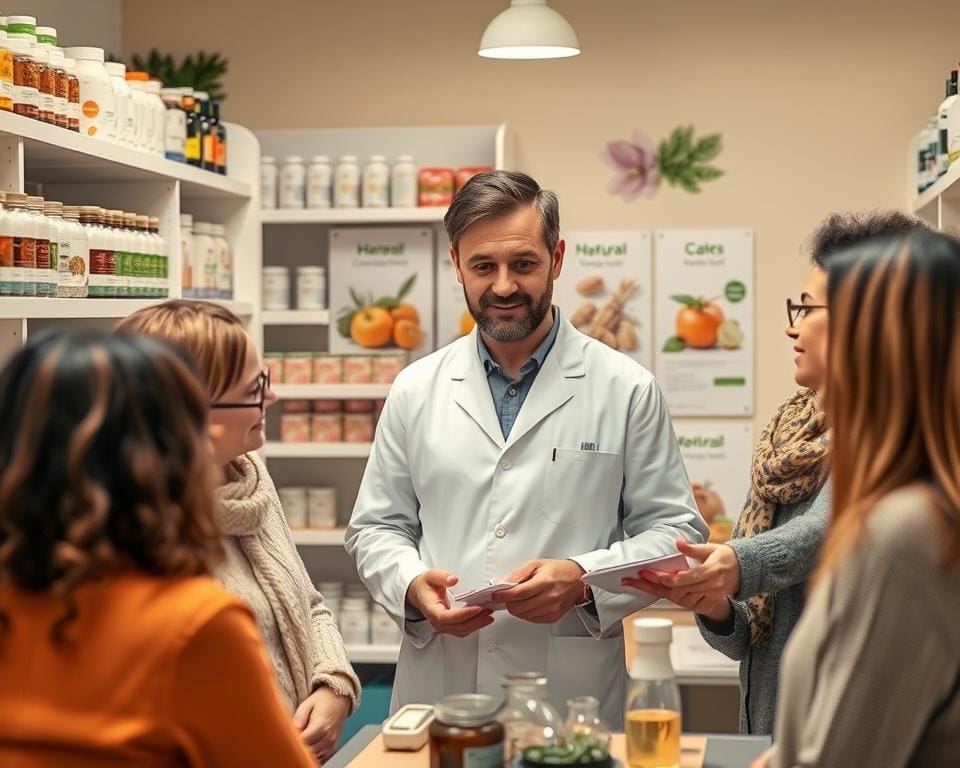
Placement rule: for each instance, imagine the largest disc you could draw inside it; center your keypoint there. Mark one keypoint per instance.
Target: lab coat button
(500, 531)
(506, 464)
(491, 645)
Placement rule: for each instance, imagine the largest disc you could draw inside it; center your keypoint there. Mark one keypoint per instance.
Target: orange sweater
(162, 672)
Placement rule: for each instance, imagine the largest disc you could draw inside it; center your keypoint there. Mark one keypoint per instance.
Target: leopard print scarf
(788, 466)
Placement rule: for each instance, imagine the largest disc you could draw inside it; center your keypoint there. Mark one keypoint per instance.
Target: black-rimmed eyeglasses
(260, 393)
(796, 311)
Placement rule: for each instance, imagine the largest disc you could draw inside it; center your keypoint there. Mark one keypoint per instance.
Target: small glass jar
(465, 733)
(26, 79)
(528, 717)
(73, 95)
(327, 369)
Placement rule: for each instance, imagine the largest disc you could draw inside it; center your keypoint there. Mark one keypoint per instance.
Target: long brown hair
(213, 336)
(893, 384)
(104, 462)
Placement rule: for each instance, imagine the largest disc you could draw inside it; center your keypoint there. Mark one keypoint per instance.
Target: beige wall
(816, 100)
(78, 22)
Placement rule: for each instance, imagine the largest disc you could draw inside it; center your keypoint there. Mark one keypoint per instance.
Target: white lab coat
(443, 489)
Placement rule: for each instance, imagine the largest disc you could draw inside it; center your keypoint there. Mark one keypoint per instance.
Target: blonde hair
(212, 335)
(893, 382)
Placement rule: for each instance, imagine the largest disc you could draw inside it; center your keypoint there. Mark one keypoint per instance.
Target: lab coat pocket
(582, 488)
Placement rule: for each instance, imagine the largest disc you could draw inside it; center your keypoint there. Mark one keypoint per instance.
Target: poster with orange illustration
(704, 337)
(381, 291)
(453, 317)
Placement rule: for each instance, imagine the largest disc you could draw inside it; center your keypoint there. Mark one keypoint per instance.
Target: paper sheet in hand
(609, 578)
(481, 595)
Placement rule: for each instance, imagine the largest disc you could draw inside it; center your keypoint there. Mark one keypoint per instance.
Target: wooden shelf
(278, 450)
(333, 216)
(321, 537)
(331, 391)
(295, 317)
(57, 156)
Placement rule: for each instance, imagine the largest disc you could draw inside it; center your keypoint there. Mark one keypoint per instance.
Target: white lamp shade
(529, 29)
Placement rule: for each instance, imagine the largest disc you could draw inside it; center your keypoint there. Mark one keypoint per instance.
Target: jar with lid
(224, 262)
(21, 227)
(291, 182)
(98, 117)
(653, 719)
(376, 182)
(74, 256)
(158, 116)
(465, 733)
(205, 273)
(186, 255)
(102, 255)
(293, 501)
(276, 288)
(319, 182)
(346, 183)
(61, 91)
(73, 95)
(403, 183)
(41, 266)
(311, 287)
(47, 36)
(22, 26)
(46, 85)
(26, 78)
(123, 99)
(174, 125)
(142, 109)
(6, 74)
(528, 717)
(59, 238)
(355, 621)
(322, 507)
(268, 183)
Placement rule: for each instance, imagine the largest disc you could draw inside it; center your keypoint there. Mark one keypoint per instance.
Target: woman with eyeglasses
(749, 593)
(116, 645)
(262, 564)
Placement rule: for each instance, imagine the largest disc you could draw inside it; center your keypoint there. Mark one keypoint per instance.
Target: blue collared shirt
(509, 394)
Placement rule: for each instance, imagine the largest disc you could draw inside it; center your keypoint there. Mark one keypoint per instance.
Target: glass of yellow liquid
(653, 721)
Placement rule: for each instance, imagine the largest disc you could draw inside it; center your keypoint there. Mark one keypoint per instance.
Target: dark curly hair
(840, 231)
(104, 461)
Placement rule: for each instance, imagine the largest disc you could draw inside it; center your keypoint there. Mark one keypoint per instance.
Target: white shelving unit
(939, 205)
(320, 537)
(278, 450)
(79, 170)
(331, 391)
(373, 654)
(338, 216)
(295, 317)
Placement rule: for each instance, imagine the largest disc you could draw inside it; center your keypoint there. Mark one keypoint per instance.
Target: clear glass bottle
(527, 716)
(41, 265)
(74, 270)
(583, 727)
(99, 248)
(653, 719)
(61, 87)
(113, 222)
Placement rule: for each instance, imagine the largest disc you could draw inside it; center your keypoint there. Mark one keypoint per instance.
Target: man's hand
(547, 589)
(320, 719)
(428, 594)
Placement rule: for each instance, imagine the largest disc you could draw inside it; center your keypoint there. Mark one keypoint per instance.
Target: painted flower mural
(682, 160)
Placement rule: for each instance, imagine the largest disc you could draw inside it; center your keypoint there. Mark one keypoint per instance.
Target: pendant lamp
(529, 29)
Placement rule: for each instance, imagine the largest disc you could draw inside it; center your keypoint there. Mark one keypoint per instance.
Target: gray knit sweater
(778, 561)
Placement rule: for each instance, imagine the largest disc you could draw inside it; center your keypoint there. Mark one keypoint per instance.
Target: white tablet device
(609, 578)
(409, 728)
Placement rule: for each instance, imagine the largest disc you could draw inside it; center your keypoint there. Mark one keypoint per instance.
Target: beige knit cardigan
(250, 513)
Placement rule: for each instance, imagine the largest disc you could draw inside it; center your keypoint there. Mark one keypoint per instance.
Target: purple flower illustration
(636, 165)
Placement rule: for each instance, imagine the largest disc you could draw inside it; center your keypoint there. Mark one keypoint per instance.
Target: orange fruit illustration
(371, 327)
(698, 326)
(466, 323)
(407, 334)
(405, 312)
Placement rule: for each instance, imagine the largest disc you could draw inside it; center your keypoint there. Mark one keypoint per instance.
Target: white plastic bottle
(158, 112)
(143, 117)
(74, 270)
(291, 182)
(59, 241)
(346, 183)
(403, 183)
(320, 183)
(224, 262)
(187, 275)
(268, 183)
(123, 99)
(174, 125)
(160, 248)
(206, 260)
(376, 182)
(98, 116)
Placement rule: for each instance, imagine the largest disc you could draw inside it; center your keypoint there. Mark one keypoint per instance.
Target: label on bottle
(100, 266)
(192, 148)
(8, 274)
(175, 133)
(209, 151)
(48, 106)
(24, 94)
(483, 757)
(6, 80)
(25, 260)
(97, 108)
(221, 157)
